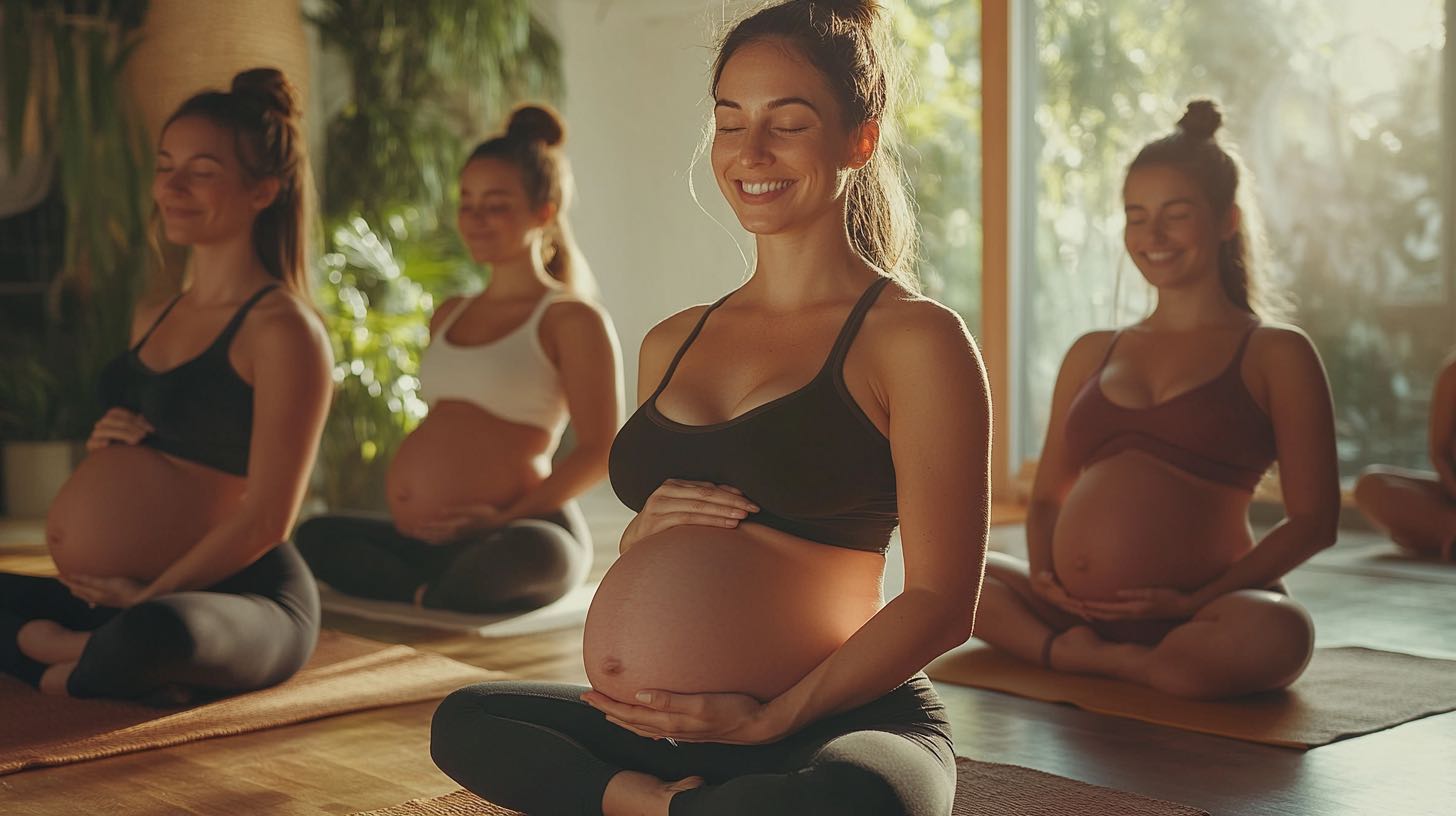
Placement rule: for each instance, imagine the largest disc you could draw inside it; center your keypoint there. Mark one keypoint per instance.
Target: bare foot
(631, 793)
(49, 642)
(53, 681)
(1081, 650)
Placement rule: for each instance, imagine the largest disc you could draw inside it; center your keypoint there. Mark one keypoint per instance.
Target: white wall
(636, 104)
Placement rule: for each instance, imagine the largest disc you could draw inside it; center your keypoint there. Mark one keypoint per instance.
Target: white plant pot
(34, 473)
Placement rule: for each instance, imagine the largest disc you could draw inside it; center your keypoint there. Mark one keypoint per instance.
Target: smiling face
(781, 152)
(199, 185)
(1172, 232)
(496, 219)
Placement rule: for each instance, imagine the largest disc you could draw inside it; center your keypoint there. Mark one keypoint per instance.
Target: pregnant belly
(460, 455)
(1132, 521)
(750, 610)
(131, 511)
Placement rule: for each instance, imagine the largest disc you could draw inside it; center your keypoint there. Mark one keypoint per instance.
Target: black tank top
(202, 410)
(811, 459)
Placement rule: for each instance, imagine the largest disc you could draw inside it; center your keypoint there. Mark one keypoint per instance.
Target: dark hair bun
(1201, 120)
(860, 12)
(534, 123)
(270, 88)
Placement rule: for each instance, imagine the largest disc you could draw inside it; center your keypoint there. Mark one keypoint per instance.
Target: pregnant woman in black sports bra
(741, 657)
(174, 577)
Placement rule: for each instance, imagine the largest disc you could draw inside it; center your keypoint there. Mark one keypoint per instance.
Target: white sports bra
(510, 377)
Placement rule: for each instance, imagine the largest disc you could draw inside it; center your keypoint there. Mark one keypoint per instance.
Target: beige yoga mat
(345, 674)
(1381, 559)
(982, 789)
(563, 613)
(1345, 692)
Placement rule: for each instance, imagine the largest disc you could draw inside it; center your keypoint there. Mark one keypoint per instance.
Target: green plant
(426, 78)
(64, 61)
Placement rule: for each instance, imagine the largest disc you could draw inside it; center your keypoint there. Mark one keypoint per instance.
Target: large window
(1335, 106)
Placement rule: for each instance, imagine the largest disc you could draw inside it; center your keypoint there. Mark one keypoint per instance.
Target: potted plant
(63, 63)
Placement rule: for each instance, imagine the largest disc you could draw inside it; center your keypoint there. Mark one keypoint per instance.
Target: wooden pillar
(996, 337)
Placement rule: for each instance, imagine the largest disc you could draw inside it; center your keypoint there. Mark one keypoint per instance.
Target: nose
(753, 151)
(175, 180)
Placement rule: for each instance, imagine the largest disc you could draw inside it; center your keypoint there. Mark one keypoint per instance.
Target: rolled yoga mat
(982, 789)
(345, 674)
(1345, 692)
(563, 613)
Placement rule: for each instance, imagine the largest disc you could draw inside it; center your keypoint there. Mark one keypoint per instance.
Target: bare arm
(1443, 426)
(291, 391)
(938, 403)
(1055, 473)
(590, 363)
(1304, 429)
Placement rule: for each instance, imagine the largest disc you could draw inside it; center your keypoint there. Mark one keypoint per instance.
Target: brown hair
(261, 110)
(532, 144)
(1216, 168)
(847, 42)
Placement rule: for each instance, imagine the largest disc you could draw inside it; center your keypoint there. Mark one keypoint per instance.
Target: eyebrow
(1165, 204)
(777, 103)
(161, 153)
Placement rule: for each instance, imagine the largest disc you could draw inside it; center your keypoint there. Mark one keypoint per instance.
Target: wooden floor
(378, 758)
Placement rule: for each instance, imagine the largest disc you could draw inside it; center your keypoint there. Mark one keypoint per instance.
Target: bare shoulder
(576, 314)
(665, 338)
(1280, 345)
(910, 338)
(447, 307)
(283, 323)
(146, 312)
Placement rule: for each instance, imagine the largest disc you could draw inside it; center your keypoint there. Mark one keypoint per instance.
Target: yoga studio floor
(379, 758)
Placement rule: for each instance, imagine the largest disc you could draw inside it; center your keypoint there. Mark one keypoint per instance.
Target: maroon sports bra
(1215, 431)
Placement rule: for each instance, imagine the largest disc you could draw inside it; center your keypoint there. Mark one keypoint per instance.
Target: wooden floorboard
(377, 758)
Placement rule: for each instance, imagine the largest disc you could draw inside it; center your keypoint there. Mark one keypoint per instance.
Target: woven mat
(982, 789)
(345, 674)
(1345, 692)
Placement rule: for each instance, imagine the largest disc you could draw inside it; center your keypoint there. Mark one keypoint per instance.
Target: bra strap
(225, 339)
(157, 322)
(853, 322)
(682, 349)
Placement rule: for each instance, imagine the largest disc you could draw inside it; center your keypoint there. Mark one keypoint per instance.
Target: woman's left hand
(117, 592)
(1156, 603)
(734, 719)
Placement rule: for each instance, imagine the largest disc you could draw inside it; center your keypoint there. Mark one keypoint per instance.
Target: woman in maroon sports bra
(1141, 562)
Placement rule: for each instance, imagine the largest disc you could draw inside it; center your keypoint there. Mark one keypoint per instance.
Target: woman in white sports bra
(479, 519)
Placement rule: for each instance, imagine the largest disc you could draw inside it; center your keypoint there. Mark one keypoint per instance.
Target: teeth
(764, 187)
(1159, 257)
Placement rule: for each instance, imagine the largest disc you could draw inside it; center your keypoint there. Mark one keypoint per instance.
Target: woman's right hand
(1049, 589)
(118, 425)
(678, 502)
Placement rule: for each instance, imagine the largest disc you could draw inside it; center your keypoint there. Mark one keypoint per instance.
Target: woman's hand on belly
(118, 426)
(452, 523)
(734, 719)
(1152, 603)
(1049, 589)
(678, 502)
(116, 592)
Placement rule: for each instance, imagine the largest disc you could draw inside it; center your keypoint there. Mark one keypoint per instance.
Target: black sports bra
(201, 410)
(811, 459)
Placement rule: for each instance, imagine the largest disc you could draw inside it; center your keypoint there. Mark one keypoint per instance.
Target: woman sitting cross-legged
(1141, 563)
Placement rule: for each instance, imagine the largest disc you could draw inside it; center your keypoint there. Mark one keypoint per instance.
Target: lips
(762, 192)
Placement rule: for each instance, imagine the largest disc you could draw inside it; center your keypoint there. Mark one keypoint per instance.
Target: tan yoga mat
(982, 789)
(345, 674)
(563, 613)
(1345, 692)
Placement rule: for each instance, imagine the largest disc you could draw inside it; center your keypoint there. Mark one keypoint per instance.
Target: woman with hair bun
(171, 536)
(741, 656)
(1141, 563)
(481, 521)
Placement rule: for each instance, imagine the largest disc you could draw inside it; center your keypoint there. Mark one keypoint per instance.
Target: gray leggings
(537, 748)
(524, 565)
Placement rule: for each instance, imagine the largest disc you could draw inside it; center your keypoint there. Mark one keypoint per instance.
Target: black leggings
(250, 631)
(537, 748)
(526, 564)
